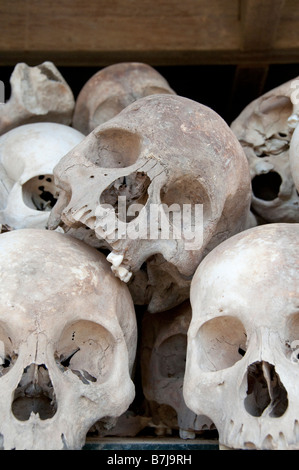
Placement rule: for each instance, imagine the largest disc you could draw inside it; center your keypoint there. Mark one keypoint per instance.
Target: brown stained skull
(161, 152)
(163, 357)
(265, 128)
(242, 355)
(112, 89)
(67, 341)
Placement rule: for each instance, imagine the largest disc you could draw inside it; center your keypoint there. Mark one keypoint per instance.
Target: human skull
(67, 340)
(112, 89)
(163, 357)
(37, 94)
(28, 155)
(294, 157)
(265, 129)
(242, 355)
(162, 151)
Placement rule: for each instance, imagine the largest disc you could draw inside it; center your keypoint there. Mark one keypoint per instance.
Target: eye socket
(116, 148)
(86, 349)
(39, 193)
(172, 355)
(292, 338)
(8, 356)
(181, 194)
(266, 186)
(221, 343)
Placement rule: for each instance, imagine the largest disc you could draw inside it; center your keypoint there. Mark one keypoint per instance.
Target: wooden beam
(260, 20)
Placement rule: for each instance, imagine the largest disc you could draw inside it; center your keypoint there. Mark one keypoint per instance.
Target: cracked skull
(163, 357)
(265, 128)
(28, 155)
(67, 341)
(131, 179)
(242, 356)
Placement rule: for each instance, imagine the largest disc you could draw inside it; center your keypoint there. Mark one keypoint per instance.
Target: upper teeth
(120, 271)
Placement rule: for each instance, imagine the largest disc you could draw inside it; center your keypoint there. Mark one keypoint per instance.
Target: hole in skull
(35, 393)
(133, 187)
(172, 354)
(86, 349)
(40, 193)
(266, 186)
(265, 392)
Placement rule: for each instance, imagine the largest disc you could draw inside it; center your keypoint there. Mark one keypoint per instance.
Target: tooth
(122, 273)
(115, 259)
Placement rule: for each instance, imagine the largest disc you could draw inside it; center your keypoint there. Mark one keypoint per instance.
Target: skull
(294, 157)
(37, 94)
(112, 89)
(242, 364)
(67, 340)
(28, 155)
(265, 129)
(163, 357)
(162, 151)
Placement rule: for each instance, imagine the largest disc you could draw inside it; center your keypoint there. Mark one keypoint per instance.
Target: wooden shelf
(163, 32)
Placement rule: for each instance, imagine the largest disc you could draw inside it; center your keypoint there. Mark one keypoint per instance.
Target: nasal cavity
(266, 394)
(34, 393)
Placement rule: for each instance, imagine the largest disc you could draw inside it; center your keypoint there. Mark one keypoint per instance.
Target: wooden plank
(160, 32)
(101, 25)
(260, 20)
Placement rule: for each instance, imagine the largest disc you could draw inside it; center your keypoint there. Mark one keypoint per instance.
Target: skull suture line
(67, 340)
(28, 155)
(242, 355)
(265, 129)
(159, 151)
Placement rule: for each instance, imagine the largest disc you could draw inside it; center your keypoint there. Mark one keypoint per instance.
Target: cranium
(37, 94)
(112, 89)
(265, 129)
(163, 357)
(67, 339)
(162, 151)
(28, 155)
(242, 355)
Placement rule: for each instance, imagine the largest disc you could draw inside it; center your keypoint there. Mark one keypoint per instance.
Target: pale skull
(37, 94)
(28, 155)
(294, 157)
(162, 151)
(163, 355)
(67, 339)
(265, 129)
(112, 89)
(242, 357)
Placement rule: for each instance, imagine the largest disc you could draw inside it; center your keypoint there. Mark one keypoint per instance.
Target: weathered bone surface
(163, 356)
(265, 129)
(28, 155)
(67, 341)
(294, 157)
(242, 355)
(112, 89)
(37, 94)
(162, 151)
